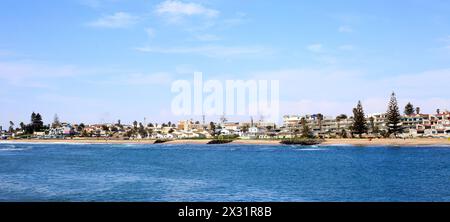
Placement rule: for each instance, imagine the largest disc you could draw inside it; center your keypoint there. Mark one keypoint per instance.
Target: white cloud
(446, 41)
(6, 53)
(117, 20)
(126, 78)
(346, 47)
(185, 69)
(175, 10)
(371, 105)
(329, 56)
(345, 29)
(147, 79)
(207, 37)
(309, 106)
(150, 32)
(327, 59)
(238, 19)
(210, 50)
(331, 91)
(32, 74)
(315, 47)
(97, 3)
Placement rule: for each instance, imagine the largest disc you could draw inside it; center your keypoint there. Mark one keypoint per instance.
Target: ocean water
(77, 172)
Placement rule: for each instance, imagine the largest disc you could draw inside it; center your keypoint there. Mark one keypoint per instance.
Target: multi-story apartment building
(188, 125)
(327, 125)
(410, 122)
(434, 125)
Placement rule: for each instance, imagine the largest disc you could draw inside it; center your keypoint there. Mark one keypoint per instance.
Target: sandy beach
(354, 142)
(388, 142)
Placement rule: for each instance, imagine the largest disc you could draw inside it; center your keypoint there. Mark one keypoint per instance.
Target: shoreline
(327, 142)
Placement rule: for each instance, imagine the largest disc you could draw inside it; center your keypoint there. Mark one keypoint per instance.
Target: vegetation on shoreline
(223, 139)
(306, 139)
(220, 141)
(159, 141)
(302, 141)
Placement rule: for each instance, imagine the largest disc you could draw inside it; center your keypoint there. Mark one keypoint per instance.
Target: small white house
(253, 130)
(225, 132)
(169, 136)
(39, 134)
(3, 135)
(158, 136)
(430, 132)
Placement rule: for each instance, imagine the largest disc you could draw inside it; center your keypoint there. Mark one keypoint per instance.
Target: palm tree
(11, 126)
(306, 133)
(244, 129)
(372, 124)
(319, 120)
(338, 120)
(296, 131)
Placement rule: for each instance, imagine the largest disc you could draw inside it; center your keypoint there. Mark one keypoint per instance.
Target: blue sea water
(82, 172)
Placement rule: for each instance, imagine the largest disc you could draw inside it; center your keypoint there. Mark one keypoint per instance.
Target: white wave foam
(311, 149)
(14, 149)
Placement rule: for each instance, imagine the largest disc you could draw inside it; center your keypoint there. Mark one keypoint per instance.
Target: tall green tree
(33, 117)
(212, 127)
(245, 128)
(81, 127)
(36, 122)
(56, 122)
(142, 130)
(359, 120)
(409, 109)
(393, 118)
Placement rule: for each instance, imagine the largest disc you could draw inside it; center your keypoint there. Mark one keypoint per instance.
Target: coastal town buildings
(413, 126)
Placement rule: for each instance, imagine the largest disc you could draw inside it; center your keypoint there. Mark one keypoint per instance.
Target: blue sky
(103, 60)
